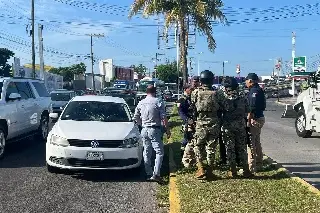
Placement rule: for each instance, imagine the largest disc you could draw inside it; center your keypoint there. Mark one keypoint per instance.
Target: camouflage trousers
(206, 139)
(235, 138)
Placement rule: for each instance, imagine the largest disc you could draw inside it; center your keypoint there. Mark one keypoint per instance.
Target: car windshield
(1, 84)
(96, 111)
(60, 96)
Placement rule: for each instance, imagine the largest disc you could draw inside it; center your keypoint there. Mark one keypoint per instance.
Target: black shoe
(157, 179)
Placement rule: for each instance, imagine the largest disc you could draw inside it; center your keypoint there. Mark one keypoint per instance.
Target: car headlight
(59, 141)
(130, 142)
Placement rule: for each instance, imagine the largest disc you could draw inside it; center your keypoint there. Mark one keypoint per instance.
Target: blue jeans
(151, 138)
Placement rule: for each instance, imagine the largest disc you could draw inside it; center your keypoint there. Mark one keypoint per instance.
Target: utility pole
(33, 46)
(177, 47)
(293, 87)
(279, 69)
(40, 28)
(92, 60)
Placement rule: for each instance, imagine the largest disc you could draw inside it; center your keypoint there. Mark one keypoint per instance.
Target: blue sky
(251, 44)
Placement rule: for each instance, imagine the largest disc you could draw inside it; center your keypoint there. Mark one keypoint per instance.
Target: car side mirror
(14, 96)
(54, 117)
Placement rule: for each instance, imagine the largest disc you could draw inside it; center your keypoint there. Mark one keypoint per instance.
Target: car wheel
(2, 142)
(300, 125)
(52, 169)
(43, 128)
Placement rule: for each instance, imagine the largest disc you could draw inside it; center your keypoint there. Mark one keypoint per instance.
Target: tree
(182, 12)
(140, 69)
(69, 72)
(5, 68)
(168, 72)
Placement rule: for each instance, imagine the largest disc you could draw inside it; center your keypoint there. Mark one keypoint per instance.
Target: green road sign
(300, 64)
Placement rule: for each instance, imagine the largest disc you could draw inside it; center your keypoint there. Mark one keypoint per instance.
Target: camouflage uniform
(234, 131)
(206, 104)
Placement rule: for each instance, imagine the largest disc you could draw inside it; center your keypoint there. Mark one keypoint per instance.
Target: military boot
(209, 173)
(232, 171)
(201, 173)
(246, 172)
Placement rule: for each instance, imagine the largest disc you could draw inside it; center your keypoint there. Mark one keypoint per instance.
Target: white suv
(24, 110)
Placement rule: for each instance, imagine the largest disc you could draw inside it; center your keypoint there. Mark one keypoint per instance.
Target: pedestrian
(234, 128)
(256, 119)
(206, 104)
(151, 115)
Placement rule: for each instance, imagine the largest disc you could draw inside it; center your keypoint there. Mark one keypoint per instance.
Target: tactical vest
(206, 101)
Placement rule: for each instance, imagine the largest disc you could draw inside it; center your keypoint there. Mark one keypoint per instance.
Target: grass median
(270, 191)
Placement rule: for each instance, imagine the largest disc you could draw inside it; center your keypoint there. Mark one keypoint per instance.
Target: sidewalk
(272, 190)
(286, 101)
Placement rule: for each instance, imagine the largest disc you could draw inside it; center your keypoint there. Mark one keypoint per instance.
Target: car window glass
(24, 90)
(12, 88)
(41, 89)
(1, 85)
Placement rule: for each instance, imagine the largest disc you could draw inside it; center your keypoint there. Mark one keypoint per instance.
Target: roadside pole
(177, 46)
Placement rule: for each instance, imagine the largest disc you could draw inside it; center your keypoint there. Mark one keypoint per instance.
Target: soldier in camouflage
(188, 158)
(234, 128)
(206, 104)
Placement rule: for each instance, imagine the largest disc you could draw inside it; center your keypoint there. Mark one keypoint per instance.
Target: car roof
(99, 99)
(62, 91)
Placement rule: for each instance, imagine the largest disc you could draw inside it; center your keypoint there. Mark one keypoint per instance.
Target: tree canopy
(168, 72)
(140, 69)
(201, 13)
(69, 72)
(5, 68)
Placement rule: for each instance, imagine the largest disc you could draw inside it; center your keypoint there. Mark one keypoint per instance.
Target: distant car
(60, 98)
(127, 95)
(94, 132)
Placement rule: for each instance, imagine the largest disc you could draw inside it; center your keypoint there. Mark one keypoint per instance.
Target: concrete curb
(174, 199)
(292, 176)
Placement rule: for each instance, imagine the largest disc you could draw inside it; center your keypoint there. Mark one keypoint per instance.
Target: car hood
(88, 130)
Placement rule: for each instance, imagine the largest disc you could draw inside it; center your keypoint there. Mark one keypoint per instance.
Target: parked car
(24, 110)
(59, 99)
(127, 95)
(94, 132)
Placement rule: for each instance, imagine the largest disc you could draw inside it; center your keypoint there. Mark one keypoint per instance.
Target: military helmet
(206, 77)
(231, 83)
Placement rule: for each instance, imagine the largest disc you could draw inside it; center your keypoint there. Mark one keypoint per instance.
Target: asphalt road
(279, 140)
(26, 186)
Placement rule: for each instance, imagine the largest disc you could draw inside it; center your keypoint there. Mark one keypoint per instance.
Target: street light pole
(199, 63)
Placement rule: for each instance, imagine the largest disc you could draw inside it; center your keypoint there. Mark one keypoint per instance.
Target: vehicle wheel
(43, 128)
(300, 125)
(2, 142)
(52, 169)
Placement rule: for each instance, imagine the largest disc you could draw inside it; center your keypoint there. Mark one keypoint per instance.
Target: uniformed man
(234, 128)
(151, 115)
(256, 120)
(206, 104)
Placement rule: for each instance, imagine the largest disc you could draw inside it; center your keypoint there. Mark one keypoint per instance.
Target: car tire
(300, 125)
(2, 142)
(52, 169)
(43, 128)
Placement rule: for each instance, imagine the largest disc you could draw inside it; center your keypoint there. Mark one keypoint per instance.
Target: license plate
(94, 156)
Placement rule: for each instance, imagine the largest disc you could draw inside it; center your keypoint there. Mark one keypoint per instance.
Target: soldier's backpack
(206, 101)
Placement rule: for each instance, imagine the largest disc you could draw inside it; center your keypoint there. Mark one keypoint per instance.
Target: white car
(94, 132)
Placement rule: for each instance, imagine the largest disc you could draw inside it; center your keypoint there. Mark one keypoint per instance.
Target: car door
(16, 116)
(29, 106)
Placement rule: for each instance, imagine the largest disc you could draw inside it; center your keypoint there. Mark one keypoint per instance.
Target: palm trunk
(183, 50)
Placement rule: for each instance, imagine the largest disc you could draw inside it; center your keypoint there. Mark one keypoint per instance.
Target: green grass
(270, 191)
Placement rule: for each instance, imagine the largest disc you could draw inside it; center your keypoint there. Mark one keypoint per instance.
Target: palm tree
(201, 13)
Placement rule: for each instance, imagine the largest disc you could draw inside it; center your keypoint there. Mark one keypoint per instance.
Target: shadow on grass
(174, 124)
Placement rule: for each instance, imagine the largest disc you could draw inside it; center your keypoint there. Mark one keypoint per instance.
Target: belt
(153, 127)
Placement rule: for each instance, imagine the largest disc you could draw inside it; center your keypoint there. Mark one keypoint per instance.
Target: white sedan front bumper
(71, 157)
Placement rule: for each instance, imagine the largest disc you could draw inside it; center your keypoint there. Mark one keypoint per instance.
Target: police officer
(256, 120)
(206, 104)
(151, 114)
(234, 127)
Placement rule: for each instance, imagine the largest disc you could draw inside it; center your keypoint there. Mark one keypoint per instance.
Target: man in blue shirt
(256, 120)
